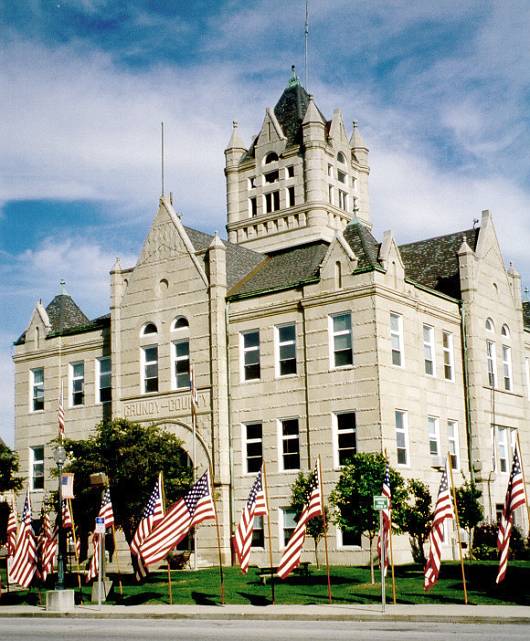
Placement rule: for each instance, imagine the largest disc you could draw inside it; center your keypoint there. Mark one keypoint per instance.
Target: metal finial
(294, 78)
(475, 222)
(235, 124)
(62, 285)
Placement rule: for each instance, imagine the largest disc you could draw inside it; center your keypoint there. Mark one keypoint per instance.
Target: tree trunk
(316, 554)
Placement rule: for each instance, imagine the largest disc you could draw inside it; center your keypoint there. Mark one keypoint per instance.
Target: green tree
(9, 481)
(470, 512)
(360, 479)
(414, 516)
(300, 492)
(132, 455)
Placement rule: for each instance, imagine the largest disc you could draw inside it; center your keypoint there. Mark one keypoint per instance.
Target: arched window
(489, 325)
(505, 331)
(149, 329)
(270, 157)
(180, 323)
(341, 158)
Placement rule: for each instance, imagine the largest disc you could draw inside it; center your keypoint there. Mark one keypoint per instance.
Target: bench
(265, 573)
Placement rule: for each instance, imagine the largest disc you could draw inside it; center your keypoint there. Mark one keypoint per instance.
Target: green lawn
(349, 585)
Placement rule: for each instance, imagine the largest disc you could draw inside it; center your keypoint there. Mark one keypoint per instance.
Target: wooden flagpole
(169, 585)
(221, 575)
(524, 480)
(457, 522)
(266, 490)
(325, 527)
(76, 551)
(394, 600)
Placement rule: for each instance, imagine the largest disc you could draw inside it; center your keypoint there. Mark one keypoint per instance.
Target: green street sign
(380, 503)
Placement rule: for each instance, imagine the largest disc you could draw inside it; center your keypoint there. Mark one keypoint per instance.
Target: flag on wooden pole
(24, 563)
(313, 507)
(387, 521)
(152, 514)
(444, 510)
(515, 497)
(255, 506)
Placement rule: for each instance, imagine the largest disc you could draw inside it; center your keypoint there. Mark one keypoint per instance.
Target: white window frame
(343, 199)
(258, 526)
(99, 374)
(503, 449)
(397, 334)
(507, 370)
(33, 387)
(336, 432)
(433, 431)
(402, 430)
(144, 363)
(282, 438)
(453, 442)
(245, 441)
(34, 461)
(73, 380)
(336, 334)
(340, 542)
(243, 351)
(429, 349)
(491, 359)
(281, 525)
(448, 355)
(278, 349)
(177, 359)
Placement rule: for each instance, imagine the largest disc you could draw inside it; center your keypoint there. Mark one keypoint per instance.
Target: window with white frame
(272, 201)
(396, 339)
(434, 435)
(181, 364)
(345, 437)
(36, 467)
(258, 533)
(287, 522)
(103, 380)
(341, 340)
(505, 331)
(490, 327)
(428, 350)
(149, 329)
(453, 443)
(343, 200)
(37, 389)
(149, 369)
(491, 357)
(250, 355)
(400, 418)
(286, 349)
(503, 448)
(290, 197)
(253, 206)
(449, 359)
(346, 539)
(180, 322)
(290, 444)
(507, 367)
(77, 383)
(252, 447)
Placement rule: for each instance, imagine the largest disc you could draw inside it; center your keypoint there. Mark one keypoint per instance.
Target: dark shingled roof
(283, 270)
(363, 244)
(434, 262)
(526, 314)
(64, 314)
(290, 111)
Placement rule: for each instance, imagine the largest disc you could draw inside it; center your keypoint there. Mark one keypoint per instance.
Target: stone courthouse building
(308, 337)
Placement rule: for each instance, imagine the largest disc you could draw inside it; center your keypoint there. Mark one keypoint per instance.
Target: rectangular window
(37, 389)
(253, 206)
(272, 201)
(396, 339)
(507, 367)
(286, 349)
(36, 467)
(330, 170)
(150, 369)
(449, 360)
(272, 177)
(290, 171)
(341, 333)
(343, 200)
(454, 444)
(492, 363)
(287, 524)
(181, 367)
(434, 436)
(428, 350)
(258, 533)
(252, 447)
(252, 182)
(104, 380)
(250, 352)
(290, 444)
(502, 444)
(347, 539)
(290, 196)
(400, 418)
(77, 378)
(341, 176)
(345, 437)
(330, 194)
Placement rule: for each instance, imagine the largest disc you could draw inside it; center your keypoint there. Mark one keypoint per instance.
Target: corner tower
(301, 179)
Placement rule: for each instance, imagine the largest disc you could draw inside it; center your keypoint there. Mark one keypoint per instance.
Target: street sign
(380, 503)
(100, 525)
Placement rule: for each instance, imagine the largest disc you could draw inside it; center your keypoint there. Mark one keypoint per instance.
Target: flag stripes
(107, 513)
(256, 506)
(152, 514)
(387, 520)
(60, 414)
(46, 546)
(12, 529)
(24, 564)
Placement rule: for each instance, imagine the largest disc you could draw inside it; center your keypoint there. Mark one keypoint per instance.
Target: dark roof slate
(64, 314)
(290, 111)
(526, 314)
(434, 262)
(364, 246)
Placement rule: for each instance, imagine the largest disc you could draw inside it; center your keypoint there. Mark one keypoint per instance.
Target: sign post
(100, 531)
(380, 504)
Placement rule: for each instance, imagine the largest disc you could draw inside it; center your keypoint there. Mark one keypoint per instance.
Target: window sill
(341, 368)
(36, 411)
(281, 377)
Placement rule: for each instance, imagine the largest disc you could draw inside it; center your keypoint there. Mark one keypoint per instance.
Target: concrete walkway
(420, 613)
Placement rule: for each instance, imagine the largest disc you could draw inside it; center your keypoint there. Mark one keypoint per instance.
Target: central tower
(300, 180)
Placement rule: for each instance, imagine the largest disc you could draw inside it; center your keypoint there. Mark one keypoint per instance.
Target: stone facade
(308, 338)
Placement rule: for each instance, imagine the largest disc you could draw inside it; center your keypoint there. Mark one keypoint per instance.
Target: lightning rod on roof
(162, 154)
(306, 36)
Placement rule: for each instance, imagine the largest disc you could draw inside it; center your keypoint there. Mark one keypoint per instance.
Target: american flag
(256, 506)
(196, 506)
(24, 563)
(387, 519)
(12, 529)
(106, 512)
(153, 512)
(444, 510)
(67, 517)
(46, 546)
(60, 414)
(293, 552)
(515, 497)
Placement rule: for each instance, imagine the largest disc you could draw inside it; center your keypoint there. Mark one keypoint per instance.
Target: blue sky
(441, 92)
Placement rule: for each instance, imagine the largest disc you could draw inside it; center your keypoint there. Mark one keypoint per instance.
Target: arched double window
(180, 353)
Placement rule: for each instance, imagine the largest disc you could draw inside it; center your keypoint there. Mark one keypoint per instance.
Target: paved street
(28, 629)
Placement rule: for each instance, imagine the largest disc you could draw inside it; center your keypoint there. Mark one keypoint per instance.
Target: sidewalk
(418, 613)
